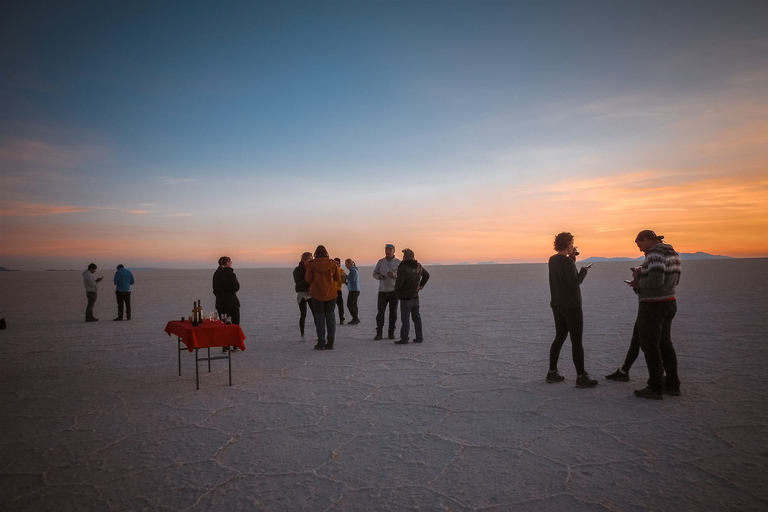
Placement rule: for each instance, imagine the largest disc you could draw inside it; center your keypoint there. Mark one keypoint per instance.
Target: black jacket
(225, 287)
(298, 277)
(411, 276)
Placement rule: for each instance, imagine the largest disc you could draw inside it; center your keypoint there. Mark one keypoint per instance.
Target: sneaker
(118, 319)
(329, 346)
(354, 321)
(619, 376)
(391, 336)
(224, 350)
(584, 381)
(648, 392)
(377, 337)
(419, 340)
(320, 346)
(554, 376)
(401, 342)
(235, 349)
(303, 338)
(91, 319)
(669, 390)
(128, 317)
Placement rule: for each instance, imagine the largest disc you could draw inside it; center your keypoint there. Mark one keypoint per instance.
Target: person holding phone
(565, 291)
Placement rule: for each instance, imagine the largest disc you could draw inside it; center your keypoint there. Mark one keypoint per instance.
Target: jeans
(386, 299)
(303, 313)
(91, 301)
(352, 304)
(568, 320)
(340, 304)
(123, 299)
(410, 308)
(654, 326)
(633, 351)
(324, 317)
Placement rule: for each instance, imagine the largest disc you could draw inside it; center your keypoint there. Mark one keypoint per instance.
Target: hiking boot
(329, 346)
(401, 342)
(118, 319)
(671, 391)
(419, 340)
(584, 381)
(377, 337)
(554, 376)
(320, 346)
(391, 336)
(648, 392)
(619, 376)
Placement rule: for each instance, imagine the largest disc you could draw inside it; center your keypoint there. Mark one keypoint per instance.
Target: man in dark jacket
(225, 287)
(411, 277)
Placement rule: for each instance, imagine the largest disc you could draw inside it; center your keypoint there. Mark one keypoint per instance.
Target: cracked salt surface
(95, 416)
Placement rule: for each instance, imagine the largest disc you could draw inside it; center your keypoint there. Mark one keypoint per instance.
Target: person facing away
(565, 292)
(655, 284)
(123, 280)
(322, 275)
(302, 291)
(353, 290)
(385, 272)
(91, 291)
(225, 288)
(339, 295)
(411, 278)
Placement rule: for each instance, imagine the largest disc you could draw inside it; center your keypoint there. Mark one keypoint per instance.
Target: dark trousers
(352, 304)
(340, 304)
(91, 301)
(568, 320)
(633, 351)
(409, 308)
(123, 299)
(386, 299)
(654, 326)
(303, 313)
(324, 318)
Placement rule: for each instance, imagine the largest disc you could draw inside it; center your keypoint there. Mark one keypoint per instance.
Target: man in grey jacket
(385, 272)
(654, 283)
(91, 291)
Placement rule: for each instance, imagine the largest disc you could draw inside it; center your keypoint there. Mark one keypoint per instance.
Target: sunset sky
(169, 133)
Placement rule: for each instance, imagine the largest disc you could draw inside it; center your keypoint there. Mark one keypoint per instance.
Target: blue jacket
(123, 280)
(353, 280)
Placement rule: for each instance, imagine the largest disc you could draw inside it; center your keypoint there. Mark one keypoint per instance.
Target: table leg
(209, 359)
(229, 360)
(178, 356)
(197, 376)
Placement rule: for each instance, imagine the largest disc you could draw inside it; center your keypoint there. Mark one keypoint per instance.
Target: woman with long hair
(302, 291)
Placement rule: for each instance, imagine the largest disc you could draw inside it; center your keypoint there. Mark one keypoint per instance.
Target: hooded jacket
(411, 276)
(90, 282)
(123, 280)
(298, 277)
(659, 274)
(322, 275)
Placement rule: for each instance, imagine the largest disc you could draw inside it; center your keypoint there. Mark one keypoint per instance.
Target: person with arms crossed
(411, 278)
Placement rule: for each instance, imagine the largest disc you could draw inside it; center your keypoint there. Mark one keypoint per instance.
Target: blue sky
(167, 133)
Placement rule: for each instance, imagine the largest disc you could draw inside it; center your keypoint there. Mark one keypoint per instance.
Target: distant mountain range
(683, 255)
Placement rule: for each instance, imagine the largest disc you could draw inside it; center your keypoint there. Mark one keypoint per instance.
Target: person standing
(411, 278)
(353, 290)
(225, 288)
(322, 275)
(385, 272)
(339, 295)
(302, 291)
(123, 280)
(91, 291)
(565, 290)
(655, 285)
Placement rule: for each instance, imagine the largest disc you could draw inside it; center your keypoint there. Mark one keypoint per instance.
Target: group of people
(654, 282)
(123, 280)
(319, 279)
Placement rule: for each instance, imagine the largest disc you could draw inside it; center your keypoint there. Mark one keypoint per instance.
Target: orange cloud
(21, 208)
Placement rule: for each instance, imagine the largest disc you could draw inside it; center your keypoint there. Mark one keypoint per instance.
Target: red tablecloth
(210, 334)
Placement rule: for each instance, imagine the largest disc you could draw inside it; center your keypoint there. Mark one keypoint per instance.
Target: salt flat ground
(95, 417)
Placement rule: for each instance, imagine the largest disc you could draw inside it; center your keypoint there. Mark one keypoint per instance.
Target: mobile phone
(589, 266)
(627, 281)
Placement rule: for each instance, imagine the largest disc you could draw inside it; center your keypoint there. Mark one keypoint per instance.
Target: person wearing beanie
(655, 282)
(123, 280)
(411, 278)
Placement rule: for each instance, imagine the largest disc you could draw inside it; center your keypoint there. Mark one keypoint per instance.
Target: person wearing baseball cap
(654, 283)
